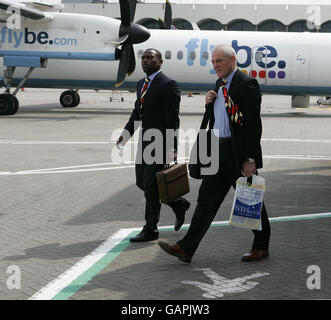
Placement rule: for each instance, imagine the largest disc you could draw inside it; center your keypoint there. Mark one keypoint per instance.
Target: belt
(223, 140)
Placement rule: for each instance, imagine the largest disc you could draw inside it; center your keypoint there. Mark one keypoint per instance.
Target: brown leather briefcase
(172, 182)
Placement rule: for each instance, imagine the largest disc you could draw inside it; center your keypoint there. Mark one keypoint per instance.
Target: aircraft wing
(7, 7)
(42, 6)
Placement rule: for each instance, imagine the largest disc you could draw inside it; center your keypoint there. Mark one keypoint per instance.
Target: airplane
(52, 45)
(65, 50)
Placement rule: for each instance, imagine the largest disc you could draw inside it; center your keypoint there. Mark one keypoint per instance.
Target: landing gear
(8, 104)
(69, 99)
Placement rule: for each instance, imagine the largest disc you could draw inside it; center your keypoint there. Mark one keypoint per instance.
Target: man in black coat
(157, 109)
(237, 127)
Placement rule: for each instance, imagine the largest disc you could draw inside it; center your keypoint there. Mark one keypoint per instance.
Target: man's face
(223, 65)
(150, 62)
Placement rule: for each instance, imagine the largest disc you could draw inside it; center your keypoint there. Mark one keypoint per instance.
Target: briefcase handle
(168, 165)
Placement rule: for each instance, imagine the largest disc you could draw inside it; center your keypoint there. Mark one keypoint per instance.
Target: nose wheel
(8, 104)
(69, 99)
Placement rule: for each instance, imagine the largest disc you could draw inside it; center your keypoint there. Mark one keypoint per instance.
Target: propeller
(166, 24)
(129, 34)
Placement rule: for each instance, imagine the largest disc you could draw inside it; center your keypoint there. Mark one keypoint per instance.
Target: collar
(228, 79)
(153, 75)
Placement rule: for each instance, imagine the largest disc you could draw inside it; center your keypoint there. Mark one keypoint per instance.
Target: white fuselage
(286, 63)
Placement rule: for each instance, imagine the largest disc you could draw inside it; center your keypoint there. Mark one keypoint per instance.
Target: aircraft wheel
(69, 99)
(16, 104)
(8, 104)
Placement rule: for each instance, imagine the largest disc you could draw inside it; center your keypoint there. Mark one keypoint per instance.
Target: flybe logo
(18, 37)
(264, 65)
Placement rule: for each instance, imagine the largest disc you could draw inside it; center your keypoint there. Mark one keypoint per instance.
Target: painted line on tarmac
(40, 142)
(130, 164)
(69, 282)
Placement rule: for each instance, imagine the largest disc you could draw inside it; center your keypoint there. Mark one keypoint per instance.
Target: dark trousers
(146, 181)
(212, 192)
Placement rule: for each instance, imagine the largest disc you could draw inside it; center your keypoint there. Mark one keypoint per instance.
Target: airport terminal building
(237, 15)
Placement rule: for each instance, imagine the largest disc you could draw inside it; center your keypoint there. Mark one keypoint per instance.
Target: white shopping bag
(247, 203)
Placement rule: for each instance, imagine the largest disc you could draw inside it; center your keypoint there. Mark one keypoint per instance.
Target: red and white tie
(143, 91)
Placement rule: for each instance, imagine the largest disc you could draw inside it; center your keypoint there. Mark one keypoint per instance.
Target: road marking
(130, 164)
(39, 142)
(217, 285)
(296, 157)
(69, 282)
(298, 140)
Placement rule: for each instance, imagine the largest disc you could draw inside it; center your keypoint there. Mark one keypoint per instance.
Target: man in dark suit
(157, 108)
(233, 109)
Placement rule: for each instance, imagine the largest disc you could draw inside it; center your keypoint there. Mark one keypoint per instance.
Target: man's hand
(171, 156)
(211, 96)
(248, 169)
(119, 140)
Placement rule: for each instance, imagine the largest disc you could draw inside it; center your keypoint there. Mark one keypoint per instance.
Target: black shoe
(180, 214)
(145, 236)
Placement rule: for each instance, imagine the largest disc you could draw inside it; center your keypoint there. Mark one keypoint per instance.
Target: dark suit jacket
(160, 109)
(246, 139)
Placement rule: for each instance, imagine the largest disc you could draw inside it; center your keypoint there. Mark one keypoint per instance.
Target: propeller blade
(125, 13)
(133, 4)
(129, 34)
(132, 61)
(168, 14)
(124, 63)
(162, 25)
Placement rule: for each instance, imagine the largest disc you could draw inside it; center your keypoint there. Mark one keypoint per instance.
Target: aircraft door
(301, 65)
(259, 62)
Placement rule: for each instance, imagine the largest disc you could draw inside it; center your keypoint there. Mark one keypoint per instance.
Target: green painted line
(278, 219)
(88, 275)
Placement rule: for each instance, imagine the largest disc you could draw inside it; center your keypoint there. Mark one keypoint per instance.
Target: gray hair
(227, 50)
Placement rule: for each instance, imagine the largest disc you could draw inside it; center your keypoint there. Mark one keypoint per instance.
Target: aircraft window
(205, 55)
(167, 54)
(192, 55)
(98, 32)
(140, 53)
(179, 55)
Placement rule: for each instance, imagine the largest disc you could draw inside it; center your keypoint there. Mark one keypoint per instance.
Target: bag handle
(168, 165)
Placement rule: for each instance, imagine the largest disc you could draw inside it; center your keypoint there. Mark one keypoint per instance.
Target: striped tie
(143, 91)
(235, 114)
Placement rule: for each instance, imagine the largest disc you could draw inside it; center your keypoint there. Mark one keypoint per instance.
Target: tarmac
(67, 210)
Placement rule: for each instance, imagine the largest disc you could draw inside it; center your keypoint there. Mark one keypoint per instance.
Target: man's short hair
(227, 50)
(158, 53)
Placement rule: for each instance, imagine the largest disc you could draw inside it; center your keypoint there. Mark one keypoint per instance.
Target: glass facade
(271, 25)
(210, 24)
(241, 25)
